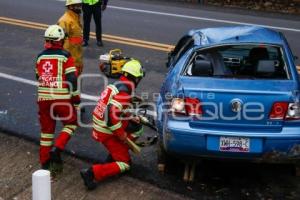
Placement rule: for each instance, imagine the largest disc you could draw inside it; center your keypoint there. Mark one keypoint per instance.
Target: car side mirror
(202, 68)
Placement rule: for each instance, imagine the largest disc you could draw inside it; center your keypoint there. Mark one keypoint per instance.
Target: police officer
(93, 8)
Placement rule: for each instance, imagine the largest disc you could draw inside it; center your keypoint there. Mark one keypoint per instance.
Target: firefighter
(111, 128)
(71, 24)
(57, 96)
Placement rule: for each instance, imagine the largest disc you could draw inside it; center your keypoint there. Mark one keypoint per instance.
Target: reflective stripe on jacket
(100, 114)
(71, 24)
(52, 66)
(93, 2)
(90, 2)
(109, 117)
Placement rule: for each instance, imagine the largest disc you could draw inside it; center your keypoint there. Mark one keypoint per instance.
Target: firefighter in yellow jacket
(71, 24)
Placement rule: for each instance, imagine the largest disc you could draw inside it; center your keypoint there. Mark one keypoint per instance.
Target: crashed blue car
(230, 92)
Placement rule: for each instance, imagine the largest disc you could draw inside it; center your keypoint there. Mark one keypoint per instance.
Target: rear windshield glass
(239, 62)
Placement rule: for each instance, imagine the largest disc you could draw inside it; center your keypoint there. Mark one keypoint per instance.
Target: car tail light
(293, 112)
(186, 106)
(178, 106)
(285, 110)
(193, 106)
(279, 110)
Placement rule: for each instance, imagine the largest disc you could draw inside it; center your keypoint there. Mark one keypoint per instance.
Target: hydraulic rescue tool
(139, 109)
(111, 63)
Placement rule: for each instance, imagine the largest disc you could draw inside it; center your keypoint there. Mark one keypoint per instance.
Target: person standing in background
(95, 8)
(71, 24)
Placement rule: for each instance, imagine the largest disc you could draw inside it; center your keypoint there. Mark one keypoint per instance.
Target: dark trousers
(88, 12)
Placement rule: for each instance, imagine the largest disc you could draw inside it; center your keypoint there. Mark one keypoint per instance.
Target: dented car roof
(235, 34)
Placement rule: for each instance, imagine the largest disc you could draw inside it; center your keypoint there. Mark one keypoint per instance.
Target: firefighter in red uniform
(57, 96)
(111, 128)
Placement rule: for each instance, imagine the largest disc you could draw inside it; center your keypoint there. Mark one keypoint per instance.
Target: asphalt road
(144, 20)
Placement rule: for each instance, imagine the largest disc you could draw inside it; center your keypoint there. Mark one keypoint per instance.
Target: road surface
(144, 30)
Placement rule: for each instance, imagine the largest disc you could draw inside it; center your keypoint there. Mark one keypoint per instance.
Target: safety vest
(100, 114)
(51, 68)
(90, 2)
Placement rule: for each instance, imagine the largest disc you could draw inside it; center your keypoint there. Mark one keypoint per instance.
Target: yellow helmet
(134, 68)
(54, 33)
(71, 2)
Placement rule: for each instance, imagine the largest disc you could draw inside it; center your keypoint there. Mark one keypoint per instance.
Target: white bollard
(41, 185)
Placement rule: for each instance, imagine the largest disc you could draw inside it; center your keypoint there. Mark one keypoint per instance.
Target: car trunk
(221, 99)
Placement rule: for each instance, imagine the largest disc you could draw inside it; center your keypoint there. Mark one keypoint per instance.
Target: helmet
(54, 33)
(134, 68)
(71, 2)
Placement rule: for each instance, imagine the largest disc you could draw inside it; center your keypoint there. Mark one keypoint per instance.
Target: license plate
(234, 144)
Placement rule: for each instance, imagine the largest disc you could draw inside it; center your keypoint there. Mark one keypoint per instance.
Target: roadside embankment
(280, 6)
(19, 159)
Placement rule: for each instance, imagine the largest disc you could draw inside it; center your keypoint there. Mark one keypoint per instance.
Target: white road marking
(18, 79)
(35, 83)
(203, 18)
(200, 18)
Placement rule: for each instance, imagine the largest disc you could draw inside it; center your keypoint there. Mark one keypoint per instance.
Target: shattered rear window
(239, 62)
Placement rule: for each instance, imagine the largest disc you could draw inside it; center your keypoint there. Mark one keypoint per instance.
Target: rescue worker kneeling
(112, 126)
(57, 97)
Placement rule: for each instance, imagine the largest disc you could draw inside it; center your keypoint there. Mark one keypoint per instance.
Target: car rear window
(239, 62)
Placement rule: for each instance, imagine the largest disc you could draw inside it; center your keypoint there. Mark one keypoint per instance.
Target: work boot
(46, 165)
(85, 43)
(56, 163)
(99, 43)
(88, 178)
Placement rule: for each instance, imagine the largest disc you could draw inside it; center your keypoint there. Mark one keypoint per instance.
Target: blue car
(230, 92)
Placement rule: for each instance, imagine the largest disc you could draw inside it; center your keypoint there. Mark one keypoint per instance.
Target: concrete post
(41, 185)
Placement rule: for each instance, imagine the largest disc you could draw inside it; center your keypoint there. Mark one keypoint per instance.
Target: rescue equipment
(111, 63)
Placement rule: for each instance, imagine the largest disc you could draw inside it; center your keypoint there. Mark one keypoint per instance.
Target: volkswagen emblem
(236, 105)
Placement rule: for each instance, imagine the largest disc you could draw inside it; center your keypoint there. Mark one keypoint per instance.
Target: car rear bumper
(180, 138)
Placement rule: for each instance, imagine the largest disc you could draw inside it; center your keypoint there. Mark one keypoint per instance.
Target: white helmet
(54, 33)
(71, 2)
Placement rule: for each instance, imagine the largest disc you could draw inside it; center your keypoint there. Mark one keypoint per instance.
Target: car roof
(235, 35)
